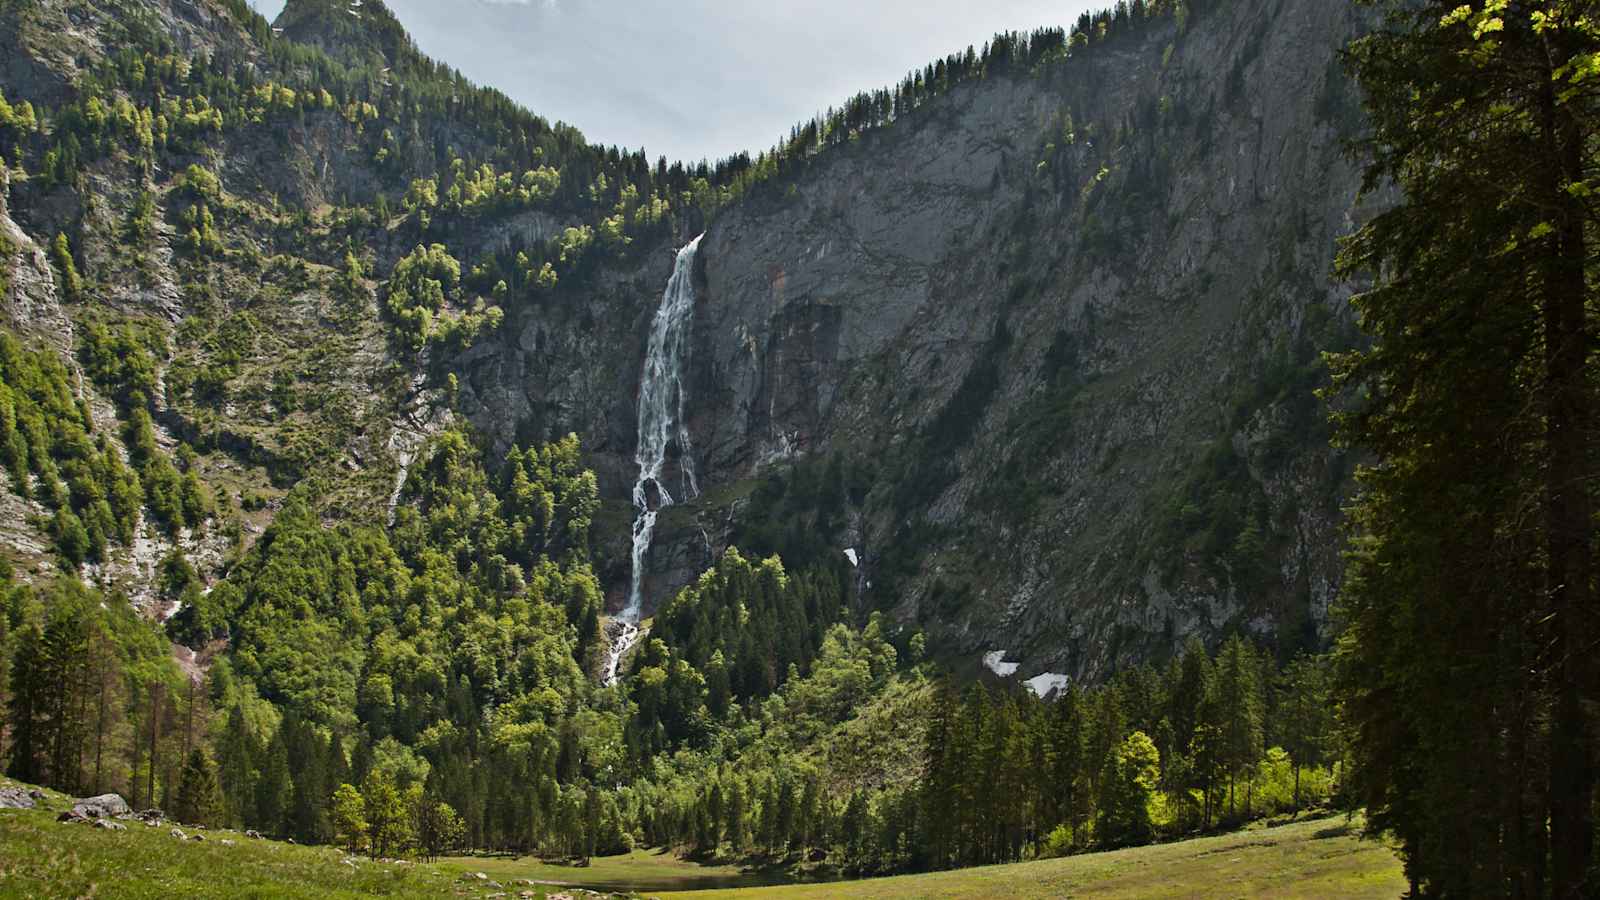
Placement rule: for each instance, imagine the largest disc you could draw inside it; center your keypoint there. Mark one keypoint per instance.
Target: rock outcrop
(1065, 324)
(105, 806)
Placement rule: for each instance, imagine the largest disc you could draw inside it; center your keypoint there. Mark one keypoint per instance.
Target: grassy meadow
(1310, 859)
(41, 858)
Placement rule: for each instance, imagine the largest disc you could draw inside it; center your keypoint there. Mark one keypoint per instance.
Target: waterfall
(662, 423)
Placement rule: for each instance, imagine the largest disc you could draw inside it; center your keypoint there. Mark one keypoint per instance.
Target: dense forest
(424, 679)
(864, 752)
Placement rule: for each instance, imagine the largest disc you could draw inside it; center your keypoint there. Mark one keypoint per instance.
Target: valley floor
(42, 858)
(646, 871)
(1311, 859)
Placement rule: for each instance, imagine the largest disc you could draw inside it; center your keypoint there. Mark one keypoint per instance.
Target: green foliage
(76, 663)
(350, 826)
(1128, 789)
(389, 822)
(124, 360)
(439, 828)
(199, 801)
(70, 281)
(48, 451)
(447, 650)
(799, 514)
(8, 252)
(1465, 666)
(760, 620)
(424, 305)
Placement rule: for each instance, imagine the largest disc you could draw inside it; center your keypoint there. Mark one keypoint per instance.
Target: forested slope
(320, 363)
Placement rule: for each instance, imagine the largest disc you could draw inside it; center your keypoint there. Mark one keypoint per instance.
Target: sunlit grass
(41, 858)
(1313, 859)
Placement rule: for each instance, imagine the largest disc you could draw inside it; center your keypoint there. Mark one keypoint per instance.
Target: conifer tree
(65, 645)
(1467, 666)
(238, 758)
(1238, 700)
(199, 801)
(941, 783)
(1307, 715)
(25, 714)
(1066, 782)
(274, 794)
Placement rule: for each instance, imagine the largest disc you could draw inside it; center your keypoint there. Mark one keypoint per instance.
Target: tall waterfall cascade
(662, 425)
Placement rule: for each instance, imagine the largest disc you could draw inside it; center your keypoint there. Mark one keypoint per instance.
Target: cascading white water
(661, 423)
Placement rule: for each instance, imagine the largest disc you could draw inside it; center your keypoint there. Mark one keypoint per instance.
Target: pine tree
(238, 755)
(1466, 665)
(941, 791)
(737, 813)
(199, 801)
(65, 646)
(25, 714)
(274, 794)
(308, 812)
(1238, 699)
(1067, 787)
(107, 682)
(1307, 715)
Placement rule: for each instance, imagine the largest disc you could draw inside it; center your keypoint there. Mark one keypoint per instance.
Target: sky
(701, 79)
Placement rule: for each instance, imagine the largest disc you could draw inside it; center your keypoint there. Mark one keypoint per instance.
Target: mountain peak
(355, 32)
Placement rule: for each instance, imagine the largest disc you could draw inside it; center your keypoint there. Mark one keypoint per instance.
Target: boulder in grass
(108, 825)
(71, 815)
(178, 833)
(105, 806)
(15, 798)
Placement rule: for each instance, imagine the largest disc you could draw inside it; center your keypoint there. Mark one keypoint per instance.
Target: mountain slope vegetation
(317, 385)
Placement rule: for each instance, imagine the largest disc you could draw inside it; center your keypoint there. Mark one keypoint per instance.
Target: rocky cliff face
(1041, 353)
(1062, 326)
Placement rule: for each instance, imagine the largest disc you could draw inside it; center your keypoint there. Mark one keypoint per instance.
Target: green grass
(645, 871)
(1311, 859)
(41, 858)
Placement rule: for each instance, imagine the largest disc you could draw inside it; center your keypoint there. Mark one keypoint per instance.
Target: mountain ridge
(1000, 389)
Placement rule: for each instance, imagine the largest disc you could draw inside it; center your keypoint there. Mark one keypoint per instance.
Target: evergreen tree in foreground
(1467, 666)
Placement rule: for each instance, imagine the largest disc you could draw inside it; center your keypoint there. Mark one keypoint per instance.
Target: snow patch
(1048, 683)
(995, 660)
(850, 554)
